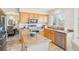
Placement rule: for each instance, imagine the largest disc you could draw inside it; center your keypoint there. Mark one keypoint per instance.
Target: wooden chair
(24, 36)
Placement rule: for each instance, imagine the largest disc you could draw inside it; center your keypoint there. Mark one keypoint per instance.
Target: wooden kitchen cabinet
(53, 36)
(50, 34)
(24, 17)
(58, 38)
(61, 40)
(43, 19)
(41, 32)
(47, 33)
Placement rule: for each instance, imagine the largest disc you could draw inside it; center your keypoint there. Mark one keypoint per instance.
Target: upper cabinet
(43, 19)
(25, 17)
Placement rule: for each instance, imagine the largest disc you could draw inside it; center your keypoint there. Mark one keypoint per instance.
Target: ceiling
(10, 9)
(32, 10)
(36, 10)
(42, 9)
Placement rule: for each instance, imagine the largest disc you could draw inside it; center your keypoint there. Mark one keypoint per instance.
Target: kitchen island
(34, 43)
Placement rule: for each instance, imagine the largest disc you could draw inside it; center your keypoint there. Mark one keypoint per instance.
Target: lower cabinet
(53, 36)
(50, 34)
(58, 38)
(61, 40)
(47, 33)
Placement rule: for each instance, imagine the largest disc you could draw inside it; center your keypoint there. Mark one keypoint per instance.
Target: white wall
(56, 11)
(50, 22)
(69, 18)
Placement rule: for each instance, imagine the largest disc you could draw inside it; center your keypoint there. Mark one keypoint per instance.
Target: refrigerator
(2, 33)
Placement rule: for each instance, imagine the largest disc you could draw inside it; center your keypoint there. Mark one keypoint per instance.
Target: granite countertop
(62, 31)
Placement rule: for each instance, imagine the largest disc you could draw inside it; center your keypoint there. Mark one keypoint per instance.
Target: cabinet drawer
(60, 44)
(61, 40)
(53, 37)
(47, 33)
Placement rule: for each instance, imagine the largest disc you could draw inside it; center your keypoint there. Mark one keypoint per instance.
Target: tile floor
(14, 47)
(53, 47)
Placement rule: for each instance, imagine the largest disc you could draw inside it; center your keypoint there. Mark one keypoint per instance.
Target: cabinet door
(47, 33)
(41, 32)
(43, 19)
(53, 36)
(61, 40)
(24, 17)
(31, 15)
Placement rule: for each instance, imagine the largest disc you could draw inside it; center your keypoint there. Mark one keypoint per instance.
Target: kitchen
(39, 29)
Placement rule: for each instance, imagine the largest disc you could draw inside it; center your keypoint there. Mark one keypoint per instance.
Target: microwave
(33, 21)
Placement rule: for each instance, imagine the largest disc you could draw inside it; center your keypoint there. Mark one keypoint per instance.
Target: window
(59, 19)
